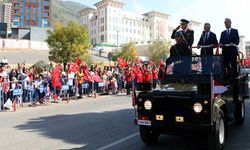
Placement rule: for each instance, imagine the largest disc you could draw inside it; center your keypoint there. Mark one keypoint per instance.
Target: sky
(211, 11)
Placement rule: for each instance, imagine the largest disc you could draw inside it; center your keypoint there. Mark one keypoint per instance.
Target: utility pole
(117, 39)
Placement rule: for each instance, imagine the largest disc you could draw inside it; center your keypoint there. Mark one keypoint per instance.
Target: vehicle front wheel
(148, 136)
(239, 114)
(216, 139)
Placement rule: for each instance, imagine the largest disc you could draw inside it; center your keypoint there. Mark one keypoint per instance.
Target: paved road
(105, 123)
(32, 57)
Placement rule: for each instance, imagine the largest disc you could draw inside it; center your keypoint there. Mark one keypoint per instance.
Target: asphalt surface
(31, 57)
(104, 123)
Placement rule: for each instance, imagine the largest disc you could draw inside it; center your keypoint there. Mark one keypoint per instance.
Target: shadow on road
(92, 130)
(95, 130)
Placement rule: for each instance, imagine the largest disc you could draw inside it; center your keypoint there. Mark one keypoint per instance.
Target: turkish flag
(86, 74)
(97, 78)
(135, 70)
(74, 67)
(161, 62)
(121, 62)
(147, 75)
(139, 76)
(55, 77)
(218, 88)
(78, 61)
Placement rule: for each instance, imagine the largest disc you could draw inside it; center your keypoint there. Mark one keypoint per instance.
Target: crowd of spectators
(76, 81)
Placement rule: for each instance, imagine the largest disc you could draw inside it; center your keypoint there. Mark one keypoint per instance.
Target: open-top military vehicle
(192, 100)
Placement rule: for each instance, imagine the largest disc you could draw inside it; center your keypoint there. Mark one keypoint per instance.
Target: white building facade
(109, 23)
(6, 15)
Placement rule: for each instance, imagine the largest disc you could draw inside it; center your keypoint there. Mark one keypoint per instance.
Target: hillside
(62, 11)
(65, 11)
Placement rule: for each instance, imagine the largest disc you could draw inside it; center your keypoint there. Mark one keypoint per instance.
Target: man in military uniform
(188, 34)
(178, 55)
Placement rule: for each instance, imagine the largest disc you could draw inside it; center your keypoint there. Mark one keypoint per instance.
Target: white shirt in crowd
(5, 60)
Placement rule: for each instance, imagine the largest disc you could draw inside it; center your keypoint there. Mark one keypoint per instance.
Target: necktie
(205, 38)
(228, 32)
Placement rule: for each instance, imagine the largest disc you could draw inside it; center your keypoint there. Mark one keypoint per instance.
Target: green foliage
(39, 65)
(127, 52)
(158, 50)
(68, 42)
(65, 11)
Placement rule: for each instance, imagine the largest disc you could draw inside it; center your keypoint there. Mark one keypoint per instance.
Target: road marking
(119, 141)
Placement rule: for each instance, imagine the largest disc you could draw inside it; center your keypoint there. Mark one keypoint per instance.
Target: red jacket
(147, 75)
(128, 76)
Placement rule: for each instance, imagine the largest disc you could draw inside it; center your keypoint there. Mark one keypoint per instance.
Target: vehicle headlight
(147, 104)
(197, 107)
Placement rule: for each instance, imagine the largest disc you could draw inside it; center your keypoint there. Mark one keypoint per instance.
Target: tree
(158, 50)
(39, 65)
(127, 52)
(66, 43)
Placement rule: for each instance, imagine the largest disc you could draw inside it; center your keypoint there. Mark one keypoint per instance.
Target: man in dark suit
(207, 38)
(188, 34)
(229, 40)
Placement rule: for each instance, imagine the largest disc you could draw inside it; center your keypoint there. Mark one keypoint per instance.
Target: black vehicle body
(173, 105)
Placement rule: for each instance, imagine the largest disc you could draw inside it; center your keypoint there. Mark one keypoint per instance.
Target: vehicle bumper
(177, 128)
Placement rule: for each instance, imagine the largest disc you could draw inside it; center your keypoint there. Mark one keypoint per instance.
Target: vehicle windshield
(188, 65)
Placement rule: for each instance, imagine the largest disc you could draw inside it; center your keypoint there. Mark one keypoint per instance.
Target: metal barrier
(20, 92)
(31, 92)
(1, 93)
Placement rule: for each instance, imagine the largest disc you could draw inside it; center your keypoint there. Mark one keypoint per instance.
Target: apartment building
(6, 15)
(26, 13)
(109, 23)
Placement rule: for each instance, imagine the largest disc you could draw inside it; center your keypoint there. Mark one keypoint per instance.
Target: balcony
(32, 4)
(31, 22)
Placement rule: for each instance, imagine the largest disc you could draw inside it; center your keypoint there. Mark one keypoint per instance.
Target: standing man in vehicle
(229, 40)
(188, 34)
(207, 38)
(178, 55)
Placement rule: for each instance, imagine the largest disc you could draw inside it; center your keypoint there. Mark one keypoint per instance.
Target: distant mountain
(62, 11)
(65, 11)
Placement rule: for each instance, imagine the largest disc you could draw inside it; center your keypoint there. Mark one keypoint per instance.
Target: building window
(102, 28)
(102, 20)
(16, 5)
(46, 7)
(46, 2)
(46, 14)
(17, 11)
(102, 38)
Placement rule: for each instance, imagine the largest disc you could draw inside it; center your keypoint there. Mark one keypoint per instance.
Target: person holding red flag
(80, 80)
(147, 73)
(128, 79)
(56, 84)
(155, 75)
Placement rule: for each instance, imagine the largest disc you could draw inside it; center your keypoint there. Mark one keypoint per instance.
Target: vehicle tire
(216, 138)
(148, 136)
(239, 114)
